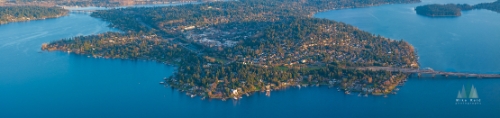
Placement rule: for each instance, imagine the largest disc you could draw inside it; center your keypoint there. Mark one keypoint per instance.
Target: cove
(56, 84)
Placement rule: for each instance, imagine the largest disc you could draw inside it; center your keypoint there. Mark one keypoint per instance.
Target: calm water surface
(468, 43)
(34, 83)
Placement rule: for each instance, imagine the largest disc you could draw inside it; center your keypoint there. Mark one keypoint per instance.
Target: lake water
(465, 44)
(34, 83)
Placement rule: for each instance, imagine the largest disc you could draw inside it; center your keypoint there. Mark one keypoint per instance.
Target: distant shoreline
(454, 10)
(12, 14)
(4, 23)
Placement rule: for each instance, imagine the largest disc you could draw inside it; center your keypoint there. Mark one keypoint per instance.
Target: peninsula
(228, 49)
(453, 10)
(26, 13)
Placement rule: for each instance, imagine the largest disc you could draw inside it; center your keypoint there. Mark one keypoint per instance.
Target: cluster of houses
(212, 37)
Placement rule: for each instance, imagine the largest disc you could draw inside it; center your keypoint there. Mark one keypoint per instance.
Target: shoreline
(11, 14)
(270, 85)
(46, 18)
(364, 93)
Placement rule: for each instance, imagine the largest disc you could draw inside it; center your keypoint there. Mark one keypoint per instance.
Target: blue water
(34, 83)
(468, 43)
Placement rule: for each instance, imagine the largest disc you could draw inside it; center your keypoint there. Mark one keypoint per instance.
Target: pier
(430, 71)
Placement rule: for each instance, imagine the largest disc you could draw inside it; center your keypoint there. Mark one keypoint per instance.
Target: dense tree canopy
(250, 45)
(436, 10)
(24, 13)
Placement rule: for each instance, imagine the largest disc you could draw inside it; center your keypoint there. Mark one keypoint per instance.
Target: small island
(27, 13)
(453, 10)
(225, 50)
(436, 10)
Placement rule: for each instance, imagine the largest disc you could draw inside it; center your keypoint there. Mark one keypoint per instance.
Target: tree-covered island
(26, 13)
(437, 10)
(229, 49)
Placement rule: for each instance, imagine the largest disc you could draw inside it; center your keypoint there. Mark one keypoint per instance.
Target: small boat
(193, 95)
(203, 98)
(359, 95)
(235, 98)
(385, 96)
(366, 95)
(347, 92)
(162, 82)
(247, 94)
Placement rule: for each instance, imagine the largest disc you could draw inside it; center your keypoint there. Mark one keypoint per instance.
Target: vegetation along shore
(228, 49)
(453, 10)
(27, 13)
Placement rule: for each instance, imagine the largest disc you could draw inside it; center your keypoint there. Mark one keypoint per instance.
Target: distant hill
(26, 13)
(446, 10)
(85, 3)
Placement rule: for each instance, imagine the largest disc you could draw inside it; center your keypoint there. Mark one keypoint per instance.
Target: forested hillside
(25, 13)
(437, 10)
(228, 49)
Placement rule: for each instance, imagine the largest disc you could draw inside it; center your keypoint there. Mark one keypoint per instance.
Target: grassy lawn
(283, 68)
(309, 68)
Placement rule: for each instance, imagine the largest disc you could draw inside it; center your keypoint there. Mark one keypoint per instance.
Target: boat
(193, 95)
(366, 95)
(203, 98)
(359, 95)
(235, 98)
(385, 96)
(347, 92)
(162, 82)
